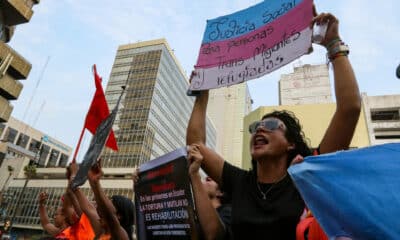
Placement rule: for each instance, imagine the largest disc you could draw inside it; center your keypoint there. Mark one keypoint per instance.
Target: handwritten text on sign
(243, 55)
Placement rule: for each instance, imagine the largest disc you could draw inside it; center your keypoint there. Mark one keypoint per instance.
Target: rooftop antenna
(35, 89)
(38, 113)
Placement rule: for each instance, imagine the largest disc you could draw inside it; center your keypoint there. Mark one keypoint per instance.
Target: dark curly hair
(294, 134)
(126, 210)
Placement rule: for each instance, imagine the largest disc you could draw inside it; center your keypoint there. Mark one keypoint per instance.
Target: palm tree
(10, 172)
(30, 172)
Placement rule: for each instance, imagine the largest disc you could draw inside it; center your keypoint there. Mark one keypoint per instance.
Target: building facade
(155, 110)
(13, 67)
(383, 118)
(314, 119)
(151, 121)
(306, 85)
(307, 93)
(226, 108)
(25, 145)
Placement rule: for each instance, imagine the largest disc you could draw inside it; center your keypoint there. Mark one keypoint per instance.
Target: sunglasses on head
(269, 124)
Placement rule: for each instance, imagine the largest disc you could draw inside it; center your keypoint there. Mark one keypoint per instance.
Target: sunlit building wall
(13, 66)
(152, 121)
(307, 93)
(227, 107)
(23, 146)
(314, 119)
(383, 118)
(155, 110)
(307, 84)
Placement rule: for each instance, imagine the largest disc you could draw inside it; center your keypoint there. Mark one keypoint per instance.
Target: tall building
(13, 66)
(383, 118)
(307, 84)
(151, 121)
(227, 108)
(155, 109)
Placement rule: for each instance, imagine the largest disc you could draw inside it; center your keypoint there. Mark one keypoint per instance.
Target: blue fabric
(353, 193)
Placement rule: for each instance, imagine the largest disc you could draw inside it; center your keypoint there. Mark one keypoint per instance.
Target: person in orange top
(112, 219)
(60, 223)
(81, 230)
(80, 226)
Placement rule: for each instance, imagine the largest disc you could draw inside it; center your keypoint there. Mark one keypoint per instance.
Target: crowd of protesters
(263, 202)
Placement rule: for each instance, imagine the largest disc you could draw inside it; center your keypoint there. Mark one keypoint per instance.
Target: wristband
(338, 51)
(332, 42)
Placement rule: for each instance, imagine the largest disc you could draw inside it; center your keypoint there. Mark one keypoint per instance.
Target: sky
(66, 37)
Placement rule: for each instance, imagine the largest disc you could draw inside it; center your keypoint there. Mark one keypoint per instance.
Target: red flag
(99, 111)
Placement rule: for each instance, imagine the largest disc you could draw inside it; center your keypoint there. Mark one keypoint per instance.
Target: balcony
(5, 109)
(9, 87)
(17, 11)
(8, 32)
(15, 65)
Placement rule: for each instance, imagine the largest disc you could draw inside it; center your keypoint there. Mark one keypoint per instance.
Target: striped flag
(253, 42)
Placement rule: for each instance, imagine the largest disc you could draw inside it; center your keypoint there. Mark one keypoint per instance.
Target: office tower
(155, 110)
(227, 108)
(152, 121)
(308, 84)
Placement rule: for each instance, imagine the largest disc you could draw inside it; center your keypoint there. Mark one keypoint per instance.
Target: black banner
(164, 200)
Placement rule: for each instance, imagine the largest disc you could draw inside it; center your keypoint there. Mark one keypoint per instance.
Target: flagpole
(83, 130)
(78, 145)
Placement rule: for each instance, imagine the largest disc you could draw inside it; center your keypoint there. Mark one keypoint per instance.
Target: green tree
(10, 172)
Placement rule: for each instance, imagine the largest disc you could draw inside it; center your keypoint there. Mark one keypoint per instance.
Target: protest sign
(253, 42)
(353, 193)
(164, 200)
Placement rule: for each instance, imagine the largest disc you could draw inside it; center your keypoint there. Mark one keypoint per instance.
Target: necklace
(264, 194)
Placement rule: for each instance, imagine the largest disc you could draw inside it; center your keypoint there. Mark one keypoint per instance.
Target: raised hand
(332, 31)
(135, 176)
(43, 196)
(95, 172)
(195, 158)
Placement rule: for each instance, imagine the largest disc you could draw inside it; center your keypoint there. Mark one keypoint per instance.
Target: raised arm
(210, 222)
(196, 133)
(105, 206)
(44, 218)
(341, 129)
(83, 202)
(71, 199)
